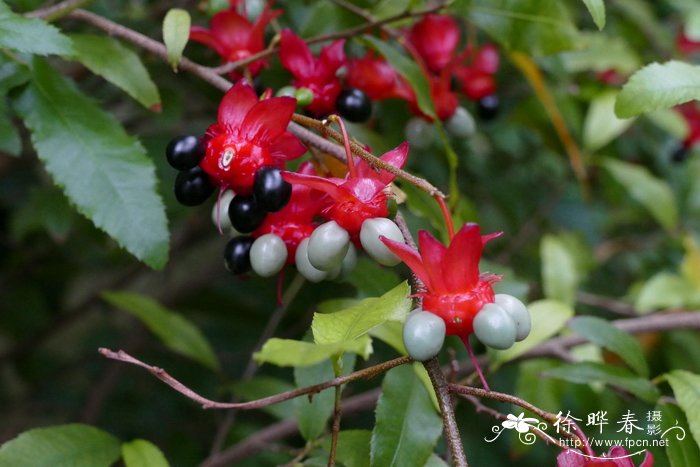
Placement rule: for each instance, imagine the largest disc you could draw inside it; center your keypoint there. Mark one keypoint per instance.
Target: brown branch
(57, 11)
(162, 375)
(335, 427)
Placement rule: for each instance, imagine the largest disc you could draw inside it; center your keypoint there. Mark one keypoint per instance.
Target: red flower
(233, 37)
(295, 222)
(248, 135)
(616, 457)
(456, 289)
(476, 76)
(435, 38)
(358, 196)
(376, 77)
(686, 45)
(316, 74)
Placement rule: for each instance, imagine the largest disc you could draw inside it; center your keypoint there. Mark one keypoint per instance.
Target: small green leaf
(409, 70)
(597, 10)
(681, 452)
(74, 445)
(548, 318)
(30, 35)
(598, 52)
(357, 321)
(664, 290)
(176, 332)
(601, 125)
(588, 372)
(353, 447)
(142, 453)
(651, 192)
(288, 352)
(117, 64)
(604, 334)
(176, 33)
(658, 86)
(264, 386)
(406, 427)
(104, 171)
(560, 276)
(686, 388)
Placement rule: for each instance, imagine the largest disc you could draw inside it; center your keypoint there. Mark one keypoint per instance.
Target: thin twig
(57, 11)
(335, 427)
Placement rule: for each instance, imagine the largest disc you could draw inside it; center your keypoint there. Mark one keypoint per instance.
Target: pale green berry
(518, 312)
(370, 232)
(419, 133)
(494, 327)
(268, 255)
(423, 335)
(305, 268)
(461, 124)
(328, 245)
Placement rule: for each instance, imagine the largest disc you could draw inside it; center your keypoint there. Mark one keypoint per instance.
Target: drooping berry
(328, 246)
(245, 213)
(237, 254)
(305, 268)
(420, 133)
(184, 152)
(494, 327)
(268, 255)
(371, 230)
(354, 105)
(518, 312)
(271, 191)
(423, 335)
(487, 107)
(193, 187)
(461, 124)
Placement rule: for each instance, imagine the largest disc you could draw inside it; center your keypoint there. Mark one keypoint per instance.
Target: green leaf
(598, 52)
(176, 33)
(658, 86)
(264, 386)
(588, 372)
(371, 279)
(353, 447)
(288, 352)
(408, 69)
(604, 334)
(142, 453)
(664, 290)
(357, 321)
(10, 142)
(103, 171)
(390, 333)
(597, 10)
(435, 461)
(424, 378)
(173, 329)
(559, 271)
(117, 64)
(44, 208)
(670, 121)
(406, 427)
(686, 388)
(535, 27)
(74, 445)
(680, 452)
(30, 35)
(601, 125)
(651, 192)
(548, 318)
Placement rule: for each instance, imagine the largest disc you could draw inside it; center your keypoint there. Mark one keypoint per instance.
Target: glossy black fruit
(487, 107)
(245, 213)
(237, 254)
(679, 155)
(354, 105)
(271, 191)
(184, 152)
(193, 187)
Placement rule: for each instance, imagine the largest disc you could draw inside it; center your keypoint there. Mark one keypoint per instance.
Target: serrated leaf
(604, 334)
(686, 388)
(103, 171)
(559, 272)
(10, 142)
(681, 452)
(658, 86)
(651, 192)
(548, 318)
(30, 35)
(117, 64)
(264, 386)
(173, 329)
(601, 125)
(176, 33)
(588, 372)
(288, 352)
(390, 333)
(406, 427)
(424, 378)
(357, 321)
(74, 445)
(142, 453)
(597, 10)
(664, 290)
(408, 69)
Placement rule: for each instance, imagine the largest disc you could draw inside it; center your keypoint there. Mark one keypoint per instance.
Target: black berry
(184, 152)
(237, 254)
(271, 191)
(245, 213)
(487, 107)
(193, 187)
(354, 105)
(679, 155)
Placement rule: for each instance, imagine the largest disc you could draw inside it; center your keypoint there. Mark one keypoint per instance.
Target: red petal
(286, 148)
(331, 58)
(257, 33)
(267, 120)
(433, 254)
(411, 257)
(317, 183)
(463, 255)
(571, 458)
(231, 30)
(295, 55)
(487, 59)
(396, 157)
(204, 36)
(648, 460)
(236, 104)
(435, 37)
